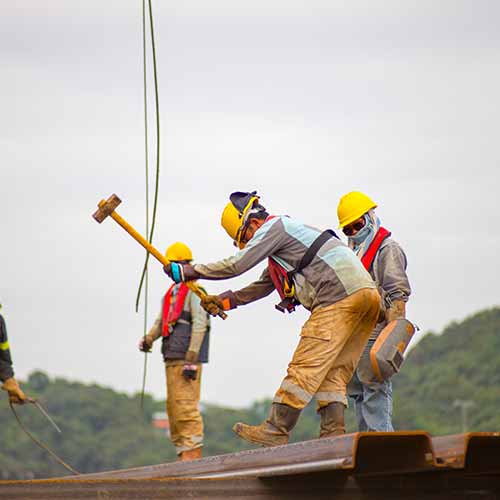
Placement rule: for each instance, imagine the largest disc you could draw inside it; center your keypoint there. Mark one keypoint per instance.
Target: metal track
(364, 466)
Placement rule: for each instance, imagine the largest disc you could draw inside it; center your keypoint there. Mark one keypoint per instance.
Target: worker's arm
(6, 370)
(146, 342)
(392, 278)
(16, 395)
(230, 300)
(199, 327)
(266, 241)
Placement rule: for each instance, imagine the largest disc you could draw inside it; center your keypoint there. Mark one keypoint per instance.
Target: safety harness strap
(283, 280)
(374, 247)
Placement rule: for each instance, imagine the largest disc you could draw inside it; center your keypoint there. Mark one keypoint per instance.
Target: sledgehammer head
(106, 207)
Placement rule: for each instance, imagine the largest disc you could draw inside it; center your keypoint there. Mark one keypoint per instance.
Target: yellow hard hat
(352, 206)
(178, 251)
(234, 215)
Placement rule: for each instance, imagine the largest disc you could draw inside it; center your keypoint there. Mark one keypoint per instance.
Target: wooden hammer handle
(194, 287)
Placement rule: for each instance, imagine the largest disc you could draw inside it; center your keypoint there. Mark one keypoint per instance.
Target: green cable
(155, 203)
(145, 276)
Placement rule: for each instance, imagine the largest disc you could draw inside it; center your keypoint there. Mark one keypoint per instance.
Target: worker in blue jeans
(386, 261)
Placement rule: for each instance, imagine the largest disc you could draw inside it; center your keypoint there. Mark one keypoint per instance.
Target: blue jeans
(372, 399)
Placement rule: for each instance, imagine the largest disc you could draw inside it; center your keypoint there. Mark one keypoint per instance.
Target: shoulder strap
(313, 250)
(374, 247)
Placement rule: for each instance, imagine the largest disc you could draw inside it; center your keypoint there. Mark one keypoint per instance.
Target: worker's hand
(212, 304)
(396, 311)
(180, 272)
(191, 357)
(145, 344)
(190, 371)
(16, 395)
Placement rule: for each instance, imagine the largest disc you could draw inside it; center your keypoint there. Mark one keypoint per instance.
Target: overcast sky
(301, 100)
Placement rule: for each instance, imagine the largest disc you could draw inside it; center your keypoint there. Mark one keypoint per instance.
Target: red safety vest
(372, 250)
(171, 315)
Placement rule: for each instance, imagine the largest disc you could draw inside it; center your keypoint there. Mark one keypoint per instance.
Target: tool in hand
(107, 208)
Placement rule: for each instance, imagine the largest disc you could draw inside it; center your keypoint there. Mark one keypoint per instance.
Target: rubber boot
(193, 454)
(275, 430)
(332, 420)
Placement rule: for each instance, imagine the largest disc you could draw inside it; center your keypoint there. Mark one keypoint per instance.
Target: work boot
(193, 454)
(332, 420)
(275, 430)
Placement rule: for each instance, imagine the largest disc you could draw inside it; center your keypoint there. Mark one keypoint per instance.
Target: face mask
(362, 234)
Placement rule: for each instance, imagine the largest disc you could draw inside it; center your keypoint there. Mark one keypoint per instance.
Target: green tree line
(104, 429)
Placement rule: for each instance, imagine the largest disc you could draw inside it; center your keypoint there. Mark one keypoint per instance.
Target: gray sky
(301, 100)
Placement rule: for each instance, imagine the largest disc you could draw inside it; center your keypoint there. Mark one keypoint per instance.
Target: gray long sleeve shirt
(389, 272)
(334, 273)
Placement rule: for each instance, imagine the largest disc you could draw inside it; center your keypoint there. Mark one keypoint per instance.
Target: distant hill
(461, 363)
(104, 429)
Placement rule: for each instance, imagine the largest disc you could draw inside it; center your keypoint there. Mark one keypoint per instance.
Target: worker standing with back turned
(386, 262)
(184, 328)
(308, 267)
(16, 395)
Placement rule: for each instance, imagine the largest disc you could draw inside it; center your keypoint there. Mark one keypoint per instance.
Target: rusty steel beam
(474, 451)
(409, 465)
(367, 452)
(441, 484)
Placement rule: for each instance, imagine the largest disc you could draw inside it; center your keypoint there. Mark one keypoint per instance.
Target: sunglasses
(354, 227)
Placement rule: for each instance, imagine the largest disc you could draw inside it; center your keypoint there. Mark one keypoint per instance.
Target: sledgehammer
(107, 208)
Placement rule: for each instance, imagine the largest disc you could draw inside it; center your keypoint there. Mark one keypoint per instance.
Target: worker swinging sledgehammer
(184, 327)
(308, 267)
(107, 208)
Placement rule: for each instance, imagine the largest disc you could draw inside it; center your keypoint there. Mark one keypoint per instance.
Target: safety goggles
(353, 228)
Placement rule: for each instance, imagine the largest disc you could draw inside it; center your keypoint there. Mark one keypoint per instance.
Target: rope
(145, 276)
(42, 445)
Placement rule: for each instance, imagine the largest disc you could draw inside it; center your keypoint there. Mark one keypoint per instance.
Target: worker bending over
(16, 395)
(307, 267)
(184, 328)
(386, 262)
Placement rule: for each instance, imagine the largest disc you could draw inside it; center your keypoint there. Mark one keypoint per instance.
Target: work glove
(215, 303)
(189, 372)
(145, 344)
(180, 272)
(397, 310)
(212, 304)
(16, 395)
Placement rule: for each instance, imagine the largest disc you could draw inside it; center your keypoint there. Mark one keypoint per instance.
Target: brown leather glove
(16, 395)
(145, 344)
(212, 304)
(396, 311)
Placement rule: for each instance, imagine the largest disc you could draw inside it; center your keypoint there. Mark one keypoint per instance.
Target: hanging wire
(149, 230)
(146, 151)
(41, 444)
(157, 175)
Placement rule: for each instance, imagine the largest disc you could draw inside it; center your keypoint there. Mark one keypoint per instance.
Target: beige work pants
(183, 397)
(331, 343)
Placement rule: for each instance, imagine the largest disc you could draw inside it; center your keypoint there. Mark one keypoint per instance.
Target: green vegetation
(104, 430)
